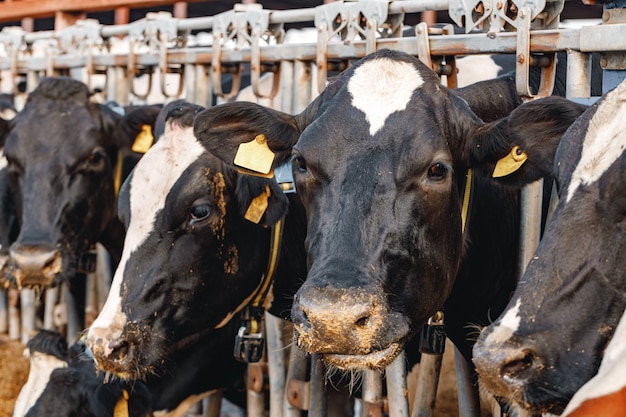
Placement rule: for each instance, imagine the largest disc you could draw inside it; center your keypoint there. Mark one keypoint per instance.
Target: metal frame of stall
(160, 47)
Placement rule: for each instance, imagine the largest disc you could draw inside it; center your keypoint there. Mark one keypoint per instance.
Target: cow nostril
(120, 351)
(362, 321)
(520, 367)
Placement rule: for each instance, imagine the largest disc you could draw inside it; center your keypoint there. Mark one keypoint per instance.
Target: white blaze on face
(3, 160)
(605, 140)
(611, 377)
(41, 367)
(507, 327)
(153, 177)
(381, 87)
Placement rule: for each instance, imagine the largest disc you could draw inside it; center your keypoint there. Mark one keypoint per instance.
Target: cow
(191, 262)
(605, 393)
(63, 181)
(550, 339)
(62, 381)
(82, 138)
(379, 159)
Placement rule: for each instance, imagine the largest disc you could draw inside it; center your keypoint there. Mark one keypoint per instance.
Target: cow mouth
(377, 359)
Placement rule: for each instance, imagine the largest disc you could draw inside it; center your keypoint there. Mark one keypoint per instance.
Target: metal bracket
(12, 38)
(331, 21)
(298, 394)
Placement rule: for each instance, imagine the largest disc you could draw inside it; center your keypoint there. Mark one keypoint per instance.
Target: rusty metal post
(296, 373)
(256, 394)
(427, 382)
(578, 83)
(50, 299)
(396, 387)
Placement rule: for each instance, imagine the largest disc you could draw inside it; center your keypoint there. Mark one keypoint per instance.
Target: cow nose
(337, 320)
(111, 351)
(34, 265)
(504, 369)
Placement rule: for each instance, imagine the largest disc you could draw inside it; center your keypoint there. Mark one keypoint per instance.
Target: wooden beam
(17, 10)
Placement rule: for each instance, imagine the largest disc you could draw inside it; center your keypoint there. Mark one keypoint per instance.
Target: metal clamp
(13, 39)
(331, 20)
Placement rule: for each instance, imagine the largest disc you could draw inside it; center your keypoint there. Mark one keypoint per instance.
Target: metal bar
(372, 394)
(276, 363)
(28, 306)
(530, 222)
(317, 398)
(427, 382)
(396, 387)
(469, 401)
(578, 83)
(296, 371)
(4, 312)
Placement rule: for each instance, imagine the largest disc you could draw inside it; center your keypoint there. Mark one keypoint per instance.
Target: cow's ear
(520, 148)
(135, 129)
(243, 131)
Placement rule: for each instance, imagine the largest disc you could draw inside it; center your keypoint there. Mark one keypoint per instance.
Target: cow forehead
(604, 142)
(41, 367)
(380, 87)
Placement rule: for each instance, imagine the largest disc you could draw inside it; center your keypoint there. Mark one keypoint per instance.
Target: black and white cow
(551, 338)
(191, 262)
(62, 152)
(8, 216)
(379, 159)
(63, 381)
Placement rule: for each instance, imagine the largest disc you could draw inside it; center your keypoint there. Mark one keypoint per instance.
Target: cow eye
(97, 156)
(300, 163)
(437, 170)
(200, 211)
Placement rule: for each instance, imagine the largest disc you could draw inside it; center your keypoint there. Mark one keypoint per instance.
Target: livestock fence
(160, 58)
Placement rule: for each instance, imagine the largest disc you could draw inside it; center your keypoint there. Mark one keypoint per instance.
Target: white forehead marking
(605, 140)
(611, 376)
(41, 367)
(507, 327)
(153, 177)
(381, 87)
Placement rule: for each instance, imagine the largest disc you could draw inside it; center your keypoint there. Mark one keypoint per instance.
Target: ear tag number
(143, 141)
(257, 206)
(255, 155)
(510, 163)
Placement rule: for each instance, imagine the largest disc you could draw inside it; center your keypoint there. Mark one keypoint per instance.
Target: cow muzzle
(350, 328)
(34, 266)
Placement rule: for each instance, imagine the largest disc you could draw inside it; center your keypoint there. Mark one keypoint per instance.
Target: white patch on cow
(41, 367)
(605, 140)
(3, 160)
(381, 87)
(475, 68)
(610, 377)
(509, 323)
(153, 177)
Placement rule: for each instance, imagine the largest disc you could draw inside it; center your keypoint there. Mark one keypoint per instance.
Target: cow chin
(376, 360)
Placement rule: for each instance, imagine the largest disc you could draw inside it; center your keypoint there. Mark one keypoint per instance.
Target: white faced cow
(379, 159)
(551, 338)
(191, 262)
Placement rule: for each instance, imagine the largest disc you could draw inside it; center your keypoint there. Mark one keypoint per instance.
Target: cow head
(191, 259)
(377, 158)
(62, 381)
(8, 218)
(62, 152)
(550, 339)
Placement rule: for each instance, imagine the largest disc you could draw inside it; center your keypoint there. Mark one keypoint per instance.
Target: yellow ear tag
(257, 206)
(255, 155)
(510, 163)
(143, 141)
(121, 408)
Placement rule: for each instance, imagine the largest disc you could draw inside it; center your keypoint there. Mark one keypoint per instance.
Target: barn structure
(151, 51)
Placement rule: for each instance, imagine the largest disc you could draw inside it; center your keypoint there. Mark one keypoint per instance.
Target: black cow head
(8, 218)
(63, 382)
(378, 158)
(62, 152)
(191, 259)
(551, 338)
